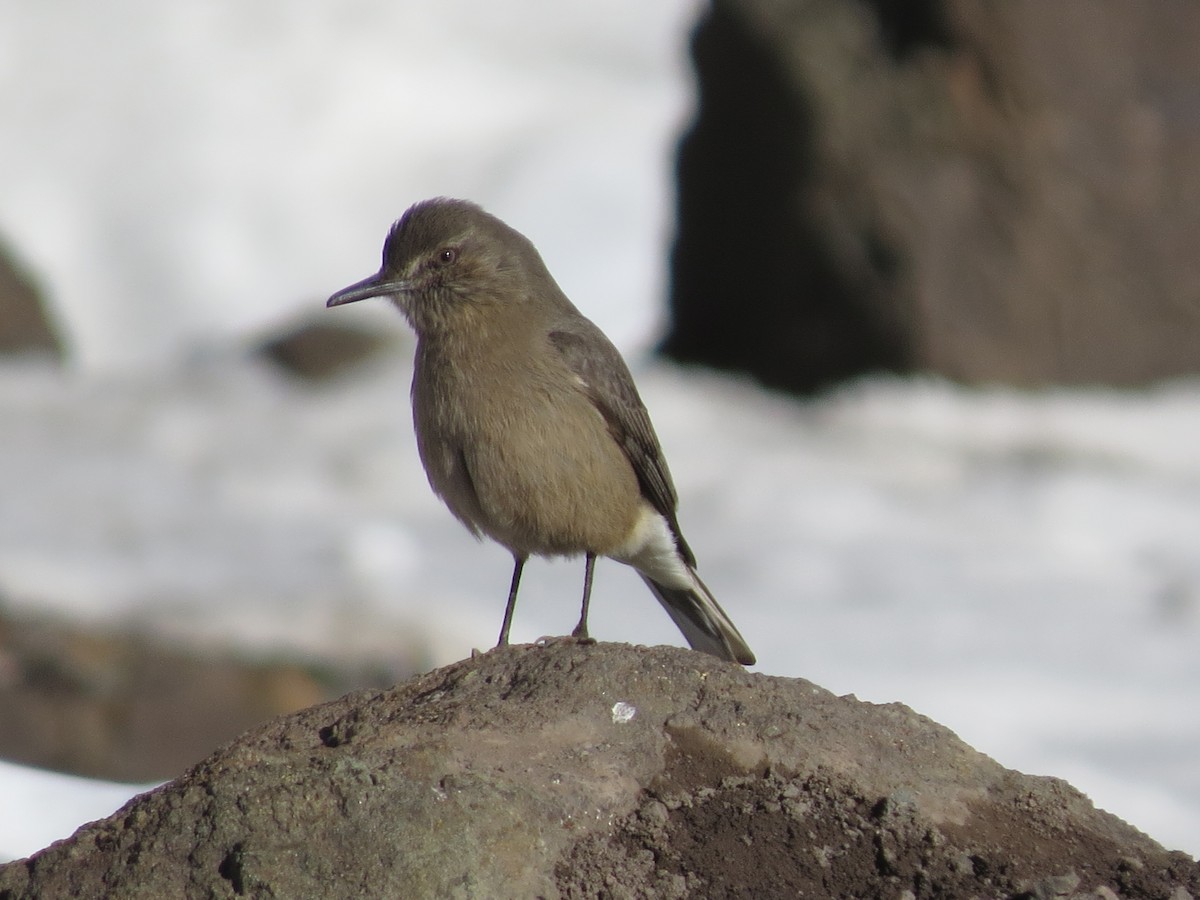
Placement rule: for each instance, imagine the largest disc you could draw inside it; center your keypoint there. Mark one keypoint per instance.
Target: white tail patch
(651, 550)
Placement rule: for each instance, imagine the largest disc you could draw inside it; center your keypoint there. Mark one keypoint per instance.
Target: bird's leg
(580, 631)
(512, 600)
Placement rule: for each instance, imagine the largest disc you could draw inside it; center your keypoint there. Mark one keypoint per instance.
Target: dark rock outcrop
(25, 326)
(320, 349)
(989, 191)
(603, 770)
(130, 706)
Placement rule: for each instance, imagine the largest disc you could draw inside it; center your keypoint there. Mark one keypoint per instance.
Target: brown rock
(25, 325)
(989, 191)
(603, 770)
(320, 349)
(132, 707)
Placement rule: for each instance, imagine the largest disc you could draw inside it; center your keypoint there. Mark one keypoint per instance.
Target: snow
(194, 170)
(42, 807)
(1021, 567)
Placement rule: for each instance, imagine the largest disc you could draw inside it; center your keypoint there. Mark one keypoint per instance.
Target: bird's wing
(606, 381)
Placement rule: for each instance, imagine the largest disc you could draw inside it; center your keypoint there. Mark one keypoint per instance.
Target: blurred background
(910, 290)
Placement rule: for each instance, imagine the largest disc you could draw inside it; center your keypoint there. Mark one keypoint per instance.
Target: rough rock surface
(989, 191)
(574, 770)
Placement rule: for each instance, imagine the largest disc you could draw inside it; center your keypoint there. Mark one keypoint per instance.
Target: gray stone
(507, 775)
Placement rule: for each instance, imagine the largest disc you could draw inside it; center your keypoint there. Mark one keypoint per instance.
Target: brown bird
(528, 422)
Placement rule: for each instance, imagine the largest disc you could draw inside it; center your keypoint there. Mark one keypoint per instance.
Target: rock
(519, 773)
(317, 350)
(25, 325)
(994, 192)
(134, 707)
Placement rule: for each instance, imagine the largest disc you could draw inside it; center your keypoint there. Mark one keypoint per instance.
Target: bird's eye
(447, 255)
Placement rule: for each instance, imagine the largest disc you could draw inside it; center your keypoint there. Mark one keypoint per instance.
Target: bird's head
(445, 259)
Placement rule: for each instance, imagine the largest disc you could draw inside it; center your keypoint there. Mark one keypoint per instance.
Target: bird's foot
(547, 639)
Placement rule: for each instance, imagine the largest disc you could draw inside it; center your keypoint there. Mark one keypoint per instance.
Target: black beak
(375, 286)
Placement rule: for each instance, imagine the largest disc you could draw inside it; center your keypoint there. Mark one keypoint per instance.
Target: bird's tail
(702, 620)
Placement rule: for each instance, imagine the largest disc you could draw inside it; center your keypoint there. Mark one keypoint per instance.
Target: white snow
(42, 807)
(1021, 567)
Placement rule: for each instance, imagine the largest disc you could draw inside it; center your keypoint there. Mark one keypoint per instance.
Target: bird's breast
(518, 451)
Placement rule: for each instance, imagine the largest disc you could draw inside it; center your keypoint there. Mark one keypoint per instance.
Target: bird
(528, 422)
